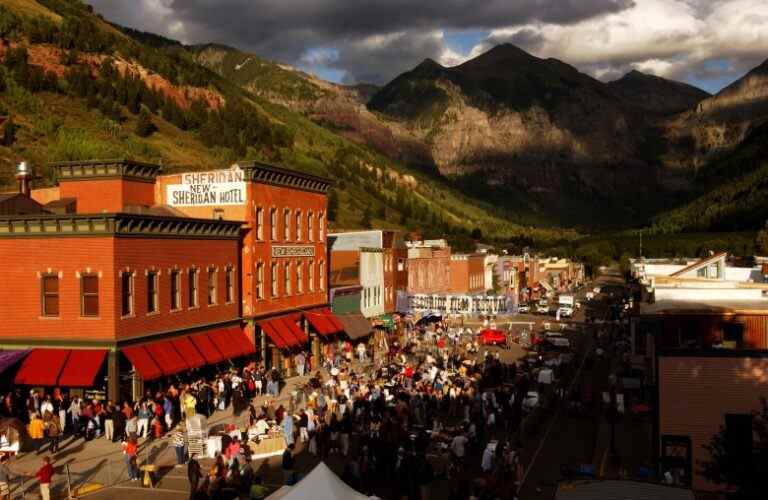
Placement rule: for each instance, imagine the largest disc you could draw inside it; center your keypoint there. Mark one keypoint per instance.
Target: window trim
(287, 278)
(43, 295)
(299, 277)
(193, 285)
(260, 281)
(273, 224)
(310, 227)
(259, 223)
(274, 281)
(299, 228)
(229, 284)
(212, 297)
(311, 276)
(286, 224)
(83, 295)
(151, 273)
(131, 294)
(178, 297)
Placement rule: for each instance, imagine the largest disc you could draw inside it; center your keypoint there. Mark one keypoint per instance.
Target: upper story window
(299, 276)
(126, 293)
(192, 285)
(176, 290)
(287, 278)
(273, 278)
(89, 295)
(310, 227)
(260, 224)
(229, 285)
(273, 224)
(299, 234)
(152, 292)
(321, 272)
(287, 224)
(321, 226)
(259, 281)
(212, 286)
(50, 295)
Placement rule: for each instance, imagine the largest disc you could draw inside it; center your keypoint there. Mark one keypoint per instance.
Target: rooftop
(717, 307)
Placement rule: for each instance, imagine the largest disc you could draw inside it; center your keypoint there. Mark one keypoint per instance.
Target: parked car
(542, 307)
(524, 308)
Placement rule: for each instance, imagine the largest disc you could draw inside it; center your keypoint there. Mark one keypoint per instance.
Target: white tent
(320, 484)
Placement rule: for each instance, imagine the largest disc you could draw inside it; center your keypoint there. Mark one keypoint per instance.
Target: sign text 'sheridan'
(293, 251)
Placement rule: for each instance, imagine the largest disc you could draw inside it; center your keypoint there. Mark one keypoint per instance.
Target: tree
(762, 240)
(333, 205)
(477, 234)
(365, 221)
(144, 125)
(745, 474)
(8, 132)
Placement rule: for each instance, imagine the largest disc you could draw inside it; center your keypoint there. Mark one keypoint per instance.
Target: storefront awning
(167, 357)
(355, 325)
(296, 332)
(207, 348)
(243, 342)
(81, 367)
(273, 335)
(334, 320)
(320, 323)
(142, 362)
(224, 342)
(10, 358)
(42, 367)
(189, 352)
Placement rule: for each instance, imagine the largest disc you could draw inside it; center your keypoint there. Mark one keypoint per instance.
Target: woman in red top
(129, 456)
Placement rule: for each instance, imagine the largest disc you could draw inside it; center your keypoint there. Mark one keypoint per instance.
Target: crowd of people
(420, 409)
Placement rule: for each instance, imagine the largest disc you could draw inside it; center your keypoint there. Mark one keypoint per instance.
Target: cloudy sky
(708, 43)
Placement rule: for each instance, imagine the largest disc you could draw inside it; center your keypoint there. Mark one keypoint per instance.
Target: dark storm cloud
(286, 29)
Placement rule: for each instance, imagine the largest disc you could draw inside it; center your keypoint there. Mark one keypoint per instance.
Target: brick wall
(107, 195)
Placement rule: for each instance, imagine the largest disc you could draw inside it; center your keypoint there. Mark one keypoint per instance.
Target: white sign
(463, 304)
(219, 187)
(293, 251)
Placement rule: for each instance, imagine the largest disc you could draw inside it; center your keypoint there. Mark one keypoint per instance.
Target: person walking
(288, 464)
(194, 473)
(178, 445)
(129, 456)
(52, 427)
(36, 431)
(44, 476)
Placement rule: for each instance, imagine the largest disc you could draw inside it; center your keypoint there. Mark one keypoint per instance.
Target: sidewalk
(99, 463)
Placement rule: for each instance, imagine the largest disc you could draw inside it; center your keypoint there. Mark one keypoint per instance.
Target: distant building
(429, 267)
(467, 273)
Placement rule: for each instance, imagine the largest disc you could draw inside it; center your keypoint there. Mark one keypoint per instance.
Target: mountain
(74, 84)
(653, 94)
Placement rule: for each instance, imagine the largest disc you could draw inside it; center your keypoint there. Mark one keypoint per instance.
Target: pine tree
(365, 221)
(144, 125)
(333, 205)
(762, 240)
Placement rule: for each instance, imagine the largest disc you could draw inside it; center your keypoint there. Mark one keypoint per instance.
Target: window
(311, 285)
(89, 295)
(273, 277)
(287, 278)
(152, 297)
(176, 290)
(299, 276)
(259, 281)
(126, 289)
(298, 226)
(310, 236)
(50, 296)
(211, 286)
(321, 225)
(192, 285)
(286, 225)
(322, 276)
(260, 224)
(229, 285)
(273, 224)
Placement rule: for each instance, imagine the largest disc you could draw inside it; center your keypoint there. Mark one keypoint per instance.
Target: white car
(565, 312)
(523, 309)
(542, 308)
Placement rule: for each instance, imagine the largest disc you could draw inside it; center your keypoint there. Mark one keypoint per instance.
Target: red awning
(167, 358)
(142, 361)
(223, 341)
(296, 332)
(244, 343)
(207, 348)
(81, 367)
(274, 335)
(333, 320)
(42, 367)
(189, 352)
(319, 322)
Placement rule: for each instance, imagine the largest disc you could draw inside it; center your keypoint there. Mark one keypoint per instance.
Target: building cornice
(117, 225)
(278, 176)
(105, 169)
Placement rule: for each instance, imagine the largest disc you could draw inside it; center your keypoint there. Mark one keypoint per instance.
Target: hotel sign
(215, 188)
(293, 251)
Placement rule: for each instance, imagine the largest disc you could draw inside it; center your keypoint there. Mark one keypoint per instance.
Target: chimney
(24, 176)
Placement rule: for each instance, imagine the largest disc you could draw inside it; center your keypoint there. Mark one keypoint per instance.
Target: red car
(493, 337)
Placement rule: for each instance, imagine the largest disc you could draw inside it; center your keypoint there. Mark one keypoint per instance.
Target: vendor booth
(320, 484)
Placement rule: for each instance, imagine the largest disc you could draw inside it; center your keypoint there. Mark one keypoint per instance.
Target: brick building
(158, 275)
(429, 267)
(467, 274)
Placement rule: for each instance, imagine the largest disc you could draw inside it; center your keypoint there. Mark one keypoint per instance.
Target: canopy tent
(320, 484)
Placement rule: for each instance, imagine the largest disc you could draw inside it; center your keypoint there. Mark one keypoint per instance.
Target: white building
(372, 282)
